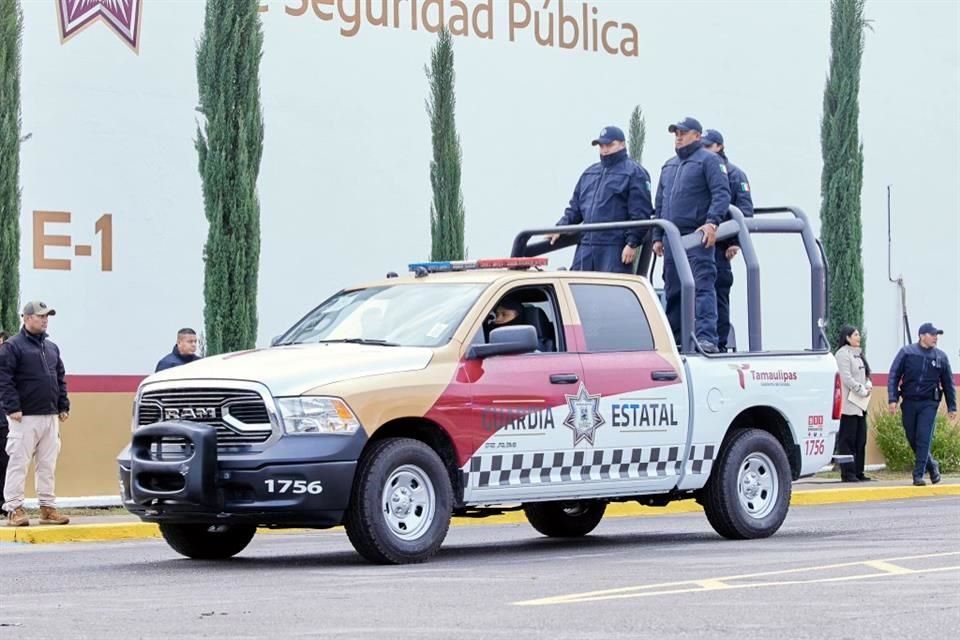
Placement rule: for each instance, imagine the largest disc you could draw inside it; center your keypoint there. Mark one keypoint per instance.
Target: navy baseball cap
(927, 327)
(687, 124)
(711, 136)
(608, 135)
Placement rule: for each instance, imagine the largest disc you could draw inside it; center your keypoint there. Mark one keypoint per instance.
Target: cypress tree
(230, 145)
(637, 135)
(11, 30)
(842, 177)
(446, 210)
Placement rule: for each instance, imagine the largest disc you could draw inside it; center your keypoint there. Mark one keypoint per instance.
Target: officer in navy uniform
(694, 194)
(727, 250)
(616, 189)
(920, 375)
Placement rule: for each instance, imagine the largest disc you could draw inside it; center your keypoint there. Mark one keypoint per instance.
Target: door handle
(664, 375)
(564, 378)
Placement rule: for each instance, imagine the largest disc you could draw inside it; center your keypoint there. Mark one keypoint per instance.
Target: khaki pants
(32, 436)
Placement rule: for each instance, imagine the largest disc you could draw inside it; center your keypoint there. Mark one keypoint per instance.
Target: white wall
(344, 183)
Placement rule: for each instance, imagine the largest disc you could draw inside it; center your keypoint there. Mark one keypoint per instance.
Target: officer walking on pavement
(694, 194)
(727, 250)
(921, 375)
(616, 189)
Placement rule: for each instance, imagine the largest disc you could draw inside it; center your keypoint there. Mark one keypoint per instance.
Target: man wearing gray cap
(921, 376)
(33, 395)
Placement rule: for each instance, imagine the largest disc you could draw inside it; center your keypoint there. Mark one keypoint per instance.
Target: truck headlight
(312, 414)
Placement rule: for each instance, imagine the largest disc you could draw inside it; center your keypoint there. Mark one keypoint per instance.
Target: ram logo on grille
(190, 413)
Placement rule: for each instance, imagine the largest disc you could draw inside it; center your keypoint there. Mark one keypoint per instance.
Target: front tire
(207, 542)
(569, 519)
(402, 503)
(748, 493)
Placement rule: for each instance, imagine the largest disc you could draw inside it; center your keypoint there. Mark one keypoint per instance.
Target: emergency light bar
(470, 265)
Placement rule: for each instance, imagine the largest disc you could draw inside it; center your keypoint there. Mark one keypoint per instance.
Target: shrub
(892, 443)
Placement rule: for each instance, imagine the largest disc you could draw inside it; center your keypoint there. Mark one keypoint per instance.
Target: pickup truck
(397, 404)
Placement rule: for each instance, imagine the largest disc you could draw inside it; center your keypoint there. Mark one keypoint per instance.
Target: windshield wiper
(379, 343)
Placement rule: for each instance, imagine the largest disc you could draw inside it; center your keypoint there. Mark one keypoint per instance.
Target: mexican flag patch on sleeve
(745, 187)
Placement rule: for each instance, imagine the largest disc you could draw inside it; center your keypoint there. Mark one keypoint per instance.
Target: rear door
(633, 380)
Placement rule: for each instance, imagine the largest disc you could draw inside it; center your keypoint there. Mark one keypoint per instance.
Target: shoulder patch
(649, 187)
(745, 187)
(723, 168)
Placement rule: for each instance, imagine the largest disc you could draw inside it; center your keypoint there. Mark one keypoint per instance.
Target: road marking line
(888, 567)
(712, 584)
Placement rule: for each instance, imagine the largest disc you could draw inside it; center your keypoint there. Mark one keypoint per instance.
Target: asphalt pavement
(857, 570)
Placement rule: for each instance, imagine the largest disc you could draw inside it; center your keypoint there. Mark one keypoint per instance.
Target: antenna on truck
(899, 279)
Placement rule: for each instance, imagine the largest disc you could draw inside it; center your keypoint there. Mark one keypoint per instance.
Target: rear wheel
(402, 503)
(206, 541)
(748, 494)
(569, 519)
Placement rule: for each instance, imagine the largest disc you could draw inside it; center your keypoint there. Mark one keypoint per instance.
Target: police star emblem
(584, 417)
(122, 16)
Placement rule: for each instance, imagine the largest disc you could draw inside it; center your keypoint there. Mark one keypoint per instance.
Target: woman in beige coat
(854, 382)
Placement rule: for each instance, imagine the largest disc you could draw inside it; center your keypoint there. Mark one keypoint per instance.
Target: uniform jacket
(740, 197)
(32, 376)
(616, 189)
(921, 374)
(694, 189)
(853, 376)
(175, 359)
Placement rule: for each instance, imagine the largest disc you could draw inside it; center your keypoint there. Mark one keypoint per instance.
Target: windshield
(413, 315)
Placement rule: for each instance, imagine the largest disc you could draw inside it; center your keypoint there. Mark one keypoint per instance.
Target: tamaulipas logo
(122, 16)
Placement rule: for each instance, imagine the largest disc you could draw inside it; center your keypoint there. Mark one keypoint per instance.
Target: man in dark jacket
(183, 352)
(694, 194)
(920, 375)
(727, 250)
(33, 394)
(4, 458)
(616, 189)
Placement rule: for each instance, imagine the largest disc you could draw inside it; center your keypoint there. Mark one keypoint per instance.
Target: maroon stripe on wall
(103, 384)
(129, 384)
(880, 379)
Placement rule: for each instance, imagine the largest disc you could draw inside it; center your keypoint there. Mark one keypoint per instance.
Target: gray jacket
(853, 376)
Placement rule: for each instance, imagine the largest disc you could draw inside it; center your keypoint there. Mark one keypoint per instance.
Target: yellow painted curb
(80, 532)
(140, 530)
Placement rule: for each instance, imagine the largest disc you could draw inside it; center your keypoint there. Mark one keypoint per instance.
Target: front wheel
(571, 519)
(208, 541)
(748, 493)
(402, 503)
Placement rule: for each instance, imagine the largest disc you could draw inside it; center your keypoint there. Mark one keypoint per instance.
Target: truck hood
(294, 369)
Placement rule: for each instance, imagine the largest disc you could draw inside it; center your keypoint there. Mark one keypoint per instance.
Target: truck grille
(239, 415)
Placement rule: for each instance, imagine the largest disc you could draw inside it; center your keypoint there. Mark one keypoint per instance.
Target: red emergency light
(511, 263)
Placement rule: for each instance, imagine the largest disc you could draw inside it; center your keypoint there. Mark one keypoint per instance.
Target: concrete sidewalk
(809, 491)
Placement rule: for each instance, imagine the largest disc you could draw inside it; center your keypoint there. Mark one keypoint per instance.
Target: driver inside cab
(510, 312)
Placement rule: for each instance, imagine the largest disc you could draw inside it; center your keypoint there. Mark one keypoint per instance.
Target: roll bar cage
(738, 226)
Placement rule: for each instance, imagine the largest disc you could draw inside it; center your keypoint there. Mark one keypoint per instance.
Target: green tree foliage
(230, 145)
(637, 135)
(446, 210)
(842, 178)
(11, 30)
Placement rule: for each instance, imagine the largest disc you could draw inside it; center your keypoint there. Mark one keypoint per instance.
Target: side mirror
(506, 341)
